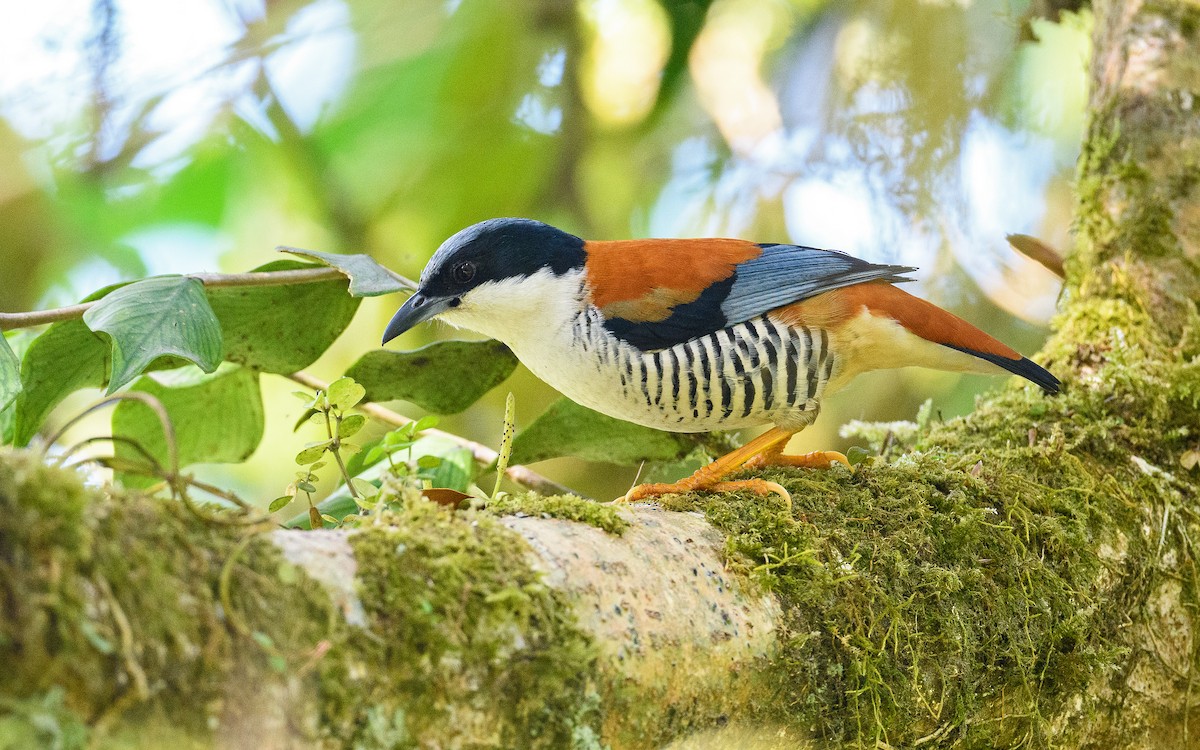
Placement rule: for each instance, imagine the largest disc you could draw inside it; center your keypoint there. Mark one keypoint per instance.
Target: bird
(696, 335)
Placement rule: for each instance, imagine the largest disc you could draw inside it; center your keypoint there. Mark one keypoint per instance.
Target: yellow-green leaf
(344, 393)
(312, 452)
(350, 425)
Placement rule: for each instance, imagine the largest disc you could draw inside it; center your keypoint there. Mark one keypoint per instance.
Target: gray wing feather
(784, 274)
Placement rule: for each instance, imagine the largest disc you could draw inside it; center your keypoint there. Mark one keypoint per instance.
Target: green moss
(566, 507)
(111, 600)
(971, 588)
(463, 638)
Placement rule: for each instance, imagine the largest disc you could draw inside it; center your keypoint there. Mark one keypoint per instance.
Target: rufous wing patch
(643, 280)
(922, 318)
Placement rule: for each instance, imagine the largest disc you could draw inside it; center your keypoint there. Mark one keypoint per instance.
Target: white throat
(521, 312)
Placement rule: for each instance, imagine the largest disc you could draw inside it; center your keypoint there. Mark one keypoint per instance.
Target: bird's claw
(759, 486)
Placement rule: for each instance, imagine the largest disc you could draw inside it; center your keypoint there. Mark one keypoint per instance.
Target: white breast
(751, 374)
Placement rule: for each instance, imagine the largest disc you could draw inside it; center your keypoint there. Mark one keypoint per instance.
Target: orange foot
(765, 450)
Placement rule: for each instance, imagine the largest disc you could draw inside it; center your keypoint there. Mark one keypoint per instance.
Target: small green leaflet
(10, 374)
(456, 471)
(344, 393)
(443, 378)
(367, 277)
(156, 317)
(568, 429)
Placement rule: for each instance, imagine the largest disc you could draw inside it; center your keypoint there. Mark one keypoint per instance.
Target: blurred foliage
(200, 137)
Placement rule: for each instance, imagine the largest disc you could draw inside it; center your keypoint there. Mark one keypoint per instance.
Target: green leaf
(686, 20)
(339, 506)
(156, 317)
(313, 452)
(10, 374)
(191, 400)
(369, 456)
(64, 358)
(344, 393)
(280, 503)
(568, 429)
(351, 425)
(857, 454)
(456, 470)
(367, 277)
(282, 329)
(445, 377)
(364, 488)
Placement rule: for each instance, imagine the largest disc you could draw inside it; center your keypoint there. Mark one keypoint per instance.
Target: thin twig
(335, 445)
(150, 459)
(155, 470)
(522, 475)
(150, 401)
(10, 321)
(225, 585)
(174, 477)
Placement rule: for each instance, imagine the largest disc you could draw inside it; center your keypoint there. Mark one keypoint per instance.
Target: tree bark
(1023, 576)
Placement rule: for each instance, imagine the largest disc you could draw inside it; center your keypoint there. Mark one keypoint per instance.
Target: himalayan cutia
(691, 335)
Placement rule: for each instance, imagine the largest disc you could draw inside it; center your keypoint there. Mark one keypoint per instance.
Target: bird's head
(494, 275)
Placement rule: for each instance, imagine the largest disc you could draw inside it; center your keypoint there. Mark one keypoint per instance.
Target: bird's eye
(463, 272)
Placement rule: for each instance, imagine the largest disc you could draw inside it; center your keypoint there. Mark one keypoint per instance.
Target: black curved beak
(416, 309)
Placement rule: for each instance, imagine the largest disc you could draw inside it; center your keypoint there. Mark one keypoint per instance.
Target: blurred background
(143, 137)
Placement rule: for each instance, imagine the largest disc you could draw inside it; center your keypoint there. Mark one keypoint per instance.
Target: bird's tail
(932, 323)
(928, 322)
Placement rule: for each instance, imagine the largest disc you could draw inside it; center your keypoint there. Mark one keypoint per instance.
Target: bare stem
(522, 475)
(335, 447)
(10, 321)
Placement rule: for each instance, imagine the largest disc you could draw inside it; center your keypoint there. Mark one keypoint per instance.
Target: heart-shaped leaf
(367, 277)
(344, 393)
(10, 374)
(444, 378)
(156, 317)
(191, 399)
(312, 452)
(568, 429)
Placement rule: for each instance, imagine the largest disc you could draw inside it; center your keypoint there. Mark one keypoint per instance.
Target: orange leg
(764, 450)
(708, 478)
